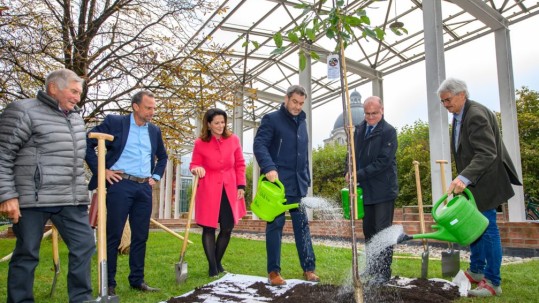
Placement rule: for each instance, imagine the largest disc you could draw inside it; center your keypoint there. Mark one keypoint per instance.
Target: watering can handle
(263, 177)
(466, 192)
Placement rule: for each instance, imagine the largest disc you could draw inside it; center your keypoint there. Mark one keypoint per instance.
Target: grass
(244, 257)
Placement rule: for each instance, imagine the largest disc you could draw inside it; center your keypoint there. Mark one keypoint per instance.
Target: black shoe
(145, 288)
(111, 291)
(220, 268)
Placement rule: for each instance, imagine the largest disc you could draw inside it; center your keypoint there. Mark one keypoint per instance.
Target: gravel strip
(404, 249)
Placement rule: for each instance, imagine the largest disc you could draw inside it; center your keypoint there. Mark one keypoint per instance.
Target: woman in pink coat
(219, 164)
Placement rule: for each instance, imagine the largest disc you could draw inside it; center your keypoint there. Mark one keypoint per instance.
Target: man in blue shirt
(135, 161)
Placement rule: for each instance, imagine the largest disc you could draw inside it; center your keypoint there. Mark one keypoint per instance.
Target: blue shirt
(136, 157)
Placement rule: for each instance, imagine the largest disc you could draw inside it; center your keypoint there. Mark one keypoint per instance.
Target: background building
(338, 134)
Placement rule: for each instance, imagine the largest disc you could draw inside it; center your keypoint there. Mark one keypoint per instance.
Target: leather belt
(135, 179)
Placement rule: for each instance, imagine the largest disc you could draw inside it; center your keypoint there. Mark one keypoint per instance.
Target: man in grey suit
(484, 167)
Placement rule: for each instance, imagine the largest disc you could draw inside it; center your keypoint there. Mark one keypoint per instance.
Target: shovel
(102, 221)
(450, 257)
(425, 253)
(55, 259)
(181, 266)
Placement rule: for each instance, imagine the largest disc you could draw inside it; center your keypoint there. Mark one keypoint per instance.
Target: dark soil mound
(417, 291)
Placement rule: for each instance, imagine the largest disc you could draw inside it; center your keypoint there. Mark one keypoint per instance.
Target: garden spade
(181, 266)
(55, 259)
(450, 257)
(425, 254)
(102, 221)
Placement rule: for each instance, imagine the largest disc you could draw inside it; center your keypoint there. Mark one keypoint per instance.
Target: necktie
(456, 131)
(369, 130)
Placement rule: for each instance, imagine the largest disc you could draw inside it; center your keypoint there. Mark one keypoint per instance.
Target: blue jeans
(486, 252)
(302, 235)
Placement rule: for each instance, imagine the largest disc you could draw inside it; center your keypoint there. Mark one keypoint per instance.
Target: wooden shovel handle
(55, 252)
(101, 210)
(419, 201)
(442, 173)
(189, 215)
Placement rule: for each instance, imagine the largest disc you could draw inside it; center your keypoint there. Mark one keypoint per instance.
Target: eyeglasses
(373, 114)
(447, 100)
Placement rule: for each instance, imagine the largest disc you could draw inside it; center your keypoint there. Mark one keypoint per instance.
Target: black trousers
(378, 217)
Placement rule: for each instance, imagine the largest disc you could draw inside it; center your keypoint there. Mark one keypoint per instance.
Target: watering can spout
(404, 237)
(286, 207)
(441, 234)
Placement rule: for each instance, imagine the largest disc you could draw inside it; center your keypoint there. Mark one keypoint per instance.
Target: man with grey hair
(485, 168)
(281, 149)
(42, 149)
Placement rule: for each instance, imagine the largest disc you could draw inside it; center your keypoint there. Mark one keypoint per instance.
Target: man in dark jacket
(42, 148)
(135, 161)
(281, 150)
(484, 166)
(375, 148)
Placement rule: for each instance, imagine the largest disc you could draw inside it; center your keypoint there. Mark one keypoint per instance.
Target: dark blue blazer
(118, 126)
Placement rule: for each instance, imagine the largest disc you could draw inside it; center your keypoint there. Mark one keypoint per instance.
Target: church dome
(358, 113)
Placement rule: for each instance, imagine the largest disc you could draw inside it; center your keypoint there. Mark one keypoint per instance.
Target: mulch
(416, 291)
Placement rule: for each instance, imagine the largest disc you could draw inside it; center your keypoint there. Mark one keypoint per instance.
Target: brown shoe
(311, 276)
(275, 279)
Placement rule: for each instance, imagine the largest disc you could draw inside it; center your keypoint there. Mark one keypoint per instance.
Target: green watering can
(269, 200)
(459, 221)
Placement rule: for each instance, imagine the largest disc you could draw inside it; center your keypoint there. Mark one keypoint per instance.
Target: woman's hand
(198, 171)
(241, 194)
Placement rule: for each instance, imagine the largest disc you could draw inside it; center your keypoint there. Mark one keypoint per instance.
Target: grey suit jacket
(482, 157)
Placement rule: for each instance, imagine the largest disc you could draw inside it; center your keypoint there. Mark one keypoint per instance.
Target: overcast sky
(405, 94)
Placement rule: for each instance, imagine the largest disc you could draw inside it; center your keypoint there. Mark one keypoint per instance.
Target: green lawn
(244, 257)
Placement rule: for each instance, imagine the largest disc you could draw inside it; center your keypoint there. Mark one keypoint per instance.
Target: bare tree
(118, 47)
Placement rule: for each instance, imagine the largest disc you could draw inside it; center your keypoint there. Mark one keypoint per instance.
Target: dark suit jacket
(118, 126)
(482, 157)
(376, 162)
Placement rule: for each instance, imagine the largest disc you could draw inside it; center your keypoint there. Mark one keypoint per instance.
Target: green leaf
(293, 37)
(330, 33)
(352, 21)
(366, 20)
(245, 43)
(315, 55)
(302, 61)
(302, 5)
(367, 32)
(255, 44)
(347, 28)
(309, 32)
(361, 12)
(379, 33)
(278, 38)
(340, 3)
(278, 51)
